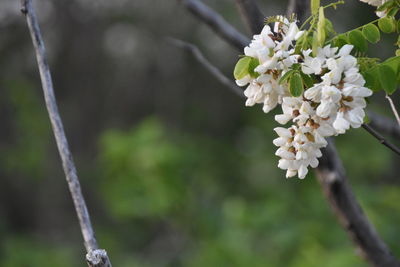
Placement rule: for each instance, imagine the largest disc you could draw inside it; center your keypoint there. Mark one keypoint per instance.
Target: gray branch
(217, 23)
(214, 71)
(251, 15)
(61, 140)
(298, 7)
(339, 193)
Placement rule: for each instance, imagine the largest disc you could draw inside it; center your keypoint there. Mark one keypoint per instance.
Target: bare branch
(298, 7)
(381, 139)
(251, 15)
(384, 124)
(61, 140)
(332, 178)
(393, 107)
(217, 23)
(208, 65)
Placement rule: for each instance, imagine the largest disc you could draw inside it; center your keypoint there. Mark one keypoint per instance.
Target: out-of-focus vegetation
(175, 170)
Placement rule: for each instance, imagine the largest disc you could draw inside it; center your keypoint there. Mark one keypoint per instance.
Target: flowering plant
(319, 78)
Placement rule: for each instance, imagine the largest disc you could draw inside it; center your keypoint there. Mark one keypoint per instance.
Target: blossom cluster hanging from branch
(320, 79)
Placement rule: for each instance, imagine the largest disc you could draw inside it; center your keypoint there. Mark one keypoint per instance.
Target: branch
(384, 124)
(381, 139)
(251, 15)
(61, 140)
(298, 7)
(208, 65)
(217, 23)
(332, 178)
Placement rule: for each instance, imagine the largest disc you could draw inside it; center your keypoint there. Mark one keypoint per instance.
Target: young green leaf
(252, 65)
(296, 85)
(357, 39)
(371, 33)
(314, 6)
(372, 81)
(286, 76)
(387, 24)
(341, 40)
(307, 80)
(242, 68)
(329, 27)
(388, 79)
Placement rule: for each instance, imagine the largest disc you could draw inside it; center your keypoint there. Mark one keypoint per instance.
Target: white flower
(377, 3)
(340, 124)
(275, 53)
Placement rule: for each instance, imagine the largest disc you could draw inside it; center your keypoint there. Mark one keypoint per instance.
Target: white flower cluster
(377, 3)
(274, 50)
(330, 107)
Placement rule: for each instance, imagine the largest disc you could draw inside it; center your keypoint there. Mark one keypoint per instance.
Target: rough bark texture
(61, 140)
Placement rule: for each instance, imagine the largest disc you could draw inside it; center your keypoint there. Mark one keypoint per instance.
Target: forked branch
(95, 257)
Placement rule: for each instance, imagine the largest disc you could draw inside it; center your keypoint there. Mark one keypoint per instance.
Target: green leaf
(315, 6)
(296, 85)
(329, 27)
(372, 81)
(245, 66)
(254, 62)
(341, 40)
(307, 80)
(241, 68)
(321, 27)
(286, 76)
(392, 11)
(387, 24)
(371, 33)
(388, 78)
(357, 39)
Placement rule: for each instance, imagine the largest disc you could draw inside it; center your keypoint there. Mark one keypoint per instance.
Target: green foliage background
(176, 171)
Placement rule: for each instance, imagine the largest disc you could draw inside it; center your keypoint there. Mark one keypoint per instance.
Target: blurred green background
(175, 170)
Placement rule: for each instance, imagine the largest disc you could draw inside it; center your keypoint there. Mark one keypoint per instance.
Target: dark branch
(332, 178)
(208, 66)
(298, 7)
(251, 15)
(381, 139)
(61, 140)
(384, 125)
(217, 23)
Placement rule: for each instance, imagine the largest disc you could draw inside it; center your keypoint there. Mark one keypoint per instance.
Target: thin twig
(384, 125)
(217, 23)
(393, 107)
(95, 256)
(207, 65)
(381, 139)
(251, 14)
(332, 177)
